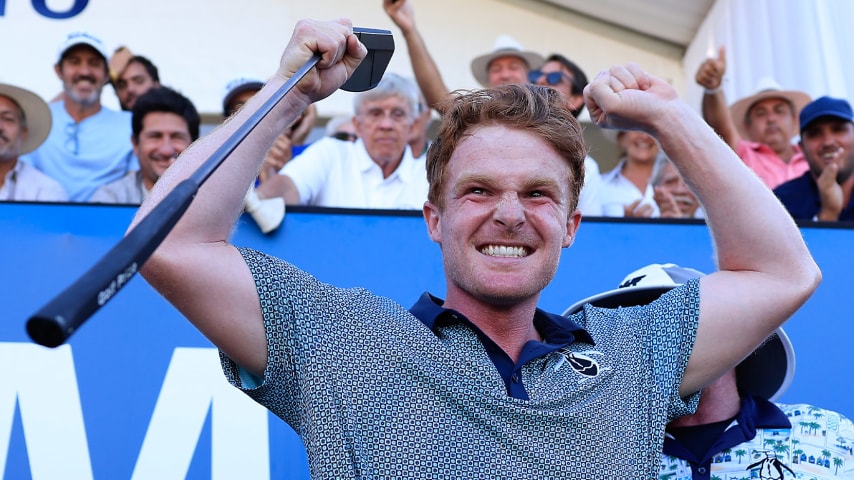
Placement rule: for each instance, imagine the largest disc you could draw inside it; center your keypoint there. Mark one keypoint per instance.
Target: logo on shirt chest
(582, 363)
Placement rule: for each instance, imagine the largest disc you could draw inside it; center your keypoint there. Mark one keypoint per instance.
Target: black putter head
(380, 46)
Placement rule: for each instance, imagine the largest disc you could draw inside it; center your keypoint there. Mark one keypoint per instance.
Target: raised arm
(426, 72)
(710, 76)
(765, 270)
(196, 268)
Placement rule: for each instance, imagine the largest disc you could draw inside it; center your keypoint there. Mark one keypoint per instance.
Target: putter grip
(63, 315)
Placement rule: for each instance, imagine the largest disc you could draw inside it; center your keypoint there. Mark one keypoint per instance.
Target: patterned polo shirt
(374, 393)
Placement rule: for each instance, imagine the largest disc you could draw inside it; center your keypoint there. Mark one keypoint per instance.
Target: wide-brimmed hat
(36, 112)
(81, 38)
(505, 46)
(766, 87)
(765, 373)
(237, 86)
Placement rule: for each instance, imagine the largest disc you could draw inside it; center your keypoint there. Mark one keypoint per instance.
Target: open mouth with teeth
(504, 251)
(830, 155)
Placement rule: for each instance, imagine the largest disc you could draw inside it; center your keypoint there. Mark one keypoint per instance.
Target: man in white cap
(737, 430)
(759, 127)
(24, 124)
(89, 144)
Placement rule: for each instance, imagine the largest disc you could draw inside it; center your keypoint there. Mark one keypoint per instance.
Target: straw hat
(766, 87)
(36, 112)
(505, 46)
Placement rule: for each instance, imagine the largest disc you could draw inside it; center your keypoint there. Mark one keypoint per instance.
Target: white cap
(81, 37)
(766, 373)
(239, 85)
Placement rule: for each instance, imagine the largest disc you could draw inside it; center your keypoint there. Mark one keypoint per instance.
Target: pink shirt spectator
(767, 164)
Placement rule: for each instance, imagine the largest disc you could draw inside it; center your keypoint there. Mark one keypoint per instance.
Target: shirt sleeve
(670, 332)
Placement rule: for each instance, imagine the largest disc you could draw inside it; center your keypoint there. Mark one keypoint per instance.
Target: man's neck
(510, 327)
(719, 401)
(847, 189)
(79, 111)
(388, 167)
(418, 146)
(785, 152)
(6, 166)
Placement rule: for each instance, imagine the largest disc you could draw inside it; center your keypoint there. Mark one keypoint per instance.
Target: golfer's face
(506, 215)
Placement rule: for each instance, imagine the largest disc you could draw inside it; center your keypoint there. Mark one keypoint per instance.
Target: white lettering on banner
(44, 384)
(194, 384)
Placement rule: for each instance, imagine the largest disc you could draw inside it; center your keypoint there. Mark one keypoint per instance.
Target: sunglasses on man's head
(345, 136)
(552, 78)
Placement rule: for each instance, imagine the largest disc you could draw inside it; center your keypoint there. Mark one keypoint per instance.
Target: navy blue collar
(755, 413)
(557, 332)
(555, 329)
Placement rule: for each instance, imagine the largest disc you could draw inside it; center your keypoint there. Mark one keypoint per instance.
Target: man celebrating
(476, 383)
(827, 139)
(164, 124)
(88, 143)
(24, 124)
(758, 127)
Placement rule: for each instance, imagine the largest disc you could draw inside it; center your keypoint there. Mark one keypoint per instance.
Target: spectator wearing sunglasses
(88, 144)
(562, 74)
(342, 128)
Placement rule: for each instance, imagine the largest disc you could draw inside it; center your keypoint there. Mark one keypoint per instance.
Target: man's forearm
(716, 114)
(427, 74)
(751, 229)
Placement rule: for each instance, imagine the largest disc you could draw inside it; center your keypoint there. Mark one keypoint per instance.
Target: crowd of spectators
(74, 148)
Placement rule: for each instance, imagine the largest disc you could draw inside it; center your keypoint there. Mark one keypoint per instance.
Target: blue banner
(138, 393)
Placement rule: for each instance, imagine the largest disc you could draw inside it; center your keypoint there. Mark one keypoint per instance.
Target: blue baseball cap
(826, 107)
